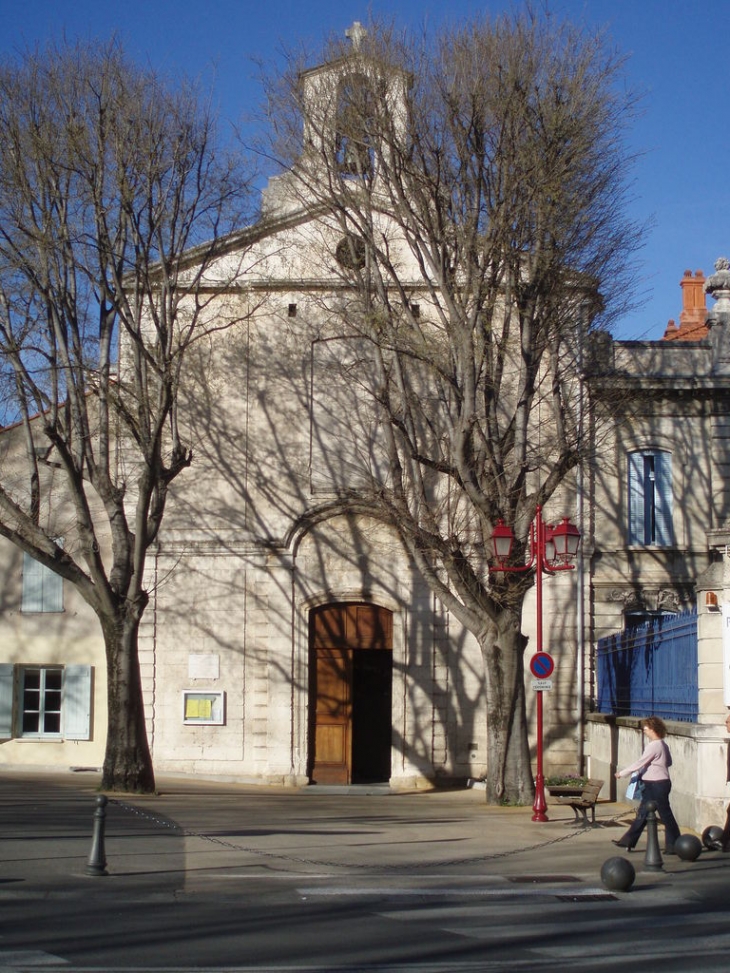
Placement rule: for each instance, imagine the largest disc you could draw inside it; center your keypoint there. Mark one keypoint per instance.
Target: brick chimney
(692, 325)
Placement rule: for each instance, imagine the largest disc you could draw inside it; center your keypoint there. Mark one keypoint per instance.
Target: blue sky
(678, 57)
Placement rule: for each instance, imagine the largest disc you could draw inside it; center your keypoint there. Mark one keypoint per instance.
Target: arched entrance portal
(350, 679)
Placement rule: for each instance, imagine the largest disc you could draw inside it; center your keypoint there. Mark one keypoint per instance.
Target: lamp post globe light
(552, 548)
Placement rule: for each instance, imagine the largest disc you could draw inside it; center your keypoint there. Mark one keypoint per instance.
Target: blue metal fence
(650, 670)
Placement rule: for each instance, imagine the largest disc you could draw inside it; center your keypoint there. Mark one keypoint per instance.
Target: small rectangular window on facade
(42, 588)
(292, 311)
(52, 702)
(650, 498)
(40, 701)
(416, 310)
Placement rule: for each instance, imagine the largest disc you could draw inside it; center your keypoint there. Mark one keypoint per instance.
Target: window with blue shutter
(52, 701)
(76, 709)
(7, 685)
(650, 498)
(42, 588)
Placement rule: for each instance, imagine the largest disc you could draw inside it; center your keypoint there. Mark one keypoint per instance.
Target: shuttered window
(7, 681)
(42, 588)
(46, 701)
(40, 701)
(76, 711)
(650, 498)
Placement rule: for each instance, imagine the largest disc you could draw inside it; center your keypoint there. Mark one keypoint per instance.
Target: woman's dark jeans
(658, 791)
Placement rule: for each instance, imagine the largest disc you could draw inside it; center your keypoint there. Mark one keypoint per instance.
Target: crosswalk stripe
(481, 892)
(696, 945)
(13, 958)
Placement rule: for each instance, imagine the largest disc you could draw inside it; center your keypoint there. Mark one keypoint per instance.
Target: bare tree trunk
(509, 771)
(128, 761)
(114, 177)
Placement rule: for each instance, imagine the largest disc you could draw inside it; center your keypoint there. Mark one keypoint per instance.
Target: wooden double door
(351, 675)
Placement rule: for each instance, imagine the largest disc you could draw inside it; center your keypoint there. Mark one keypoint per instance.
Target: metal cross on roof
(356, 34)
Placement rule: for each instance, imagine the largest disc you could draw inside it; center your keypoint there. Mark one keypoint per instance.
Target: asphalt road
(215, 877)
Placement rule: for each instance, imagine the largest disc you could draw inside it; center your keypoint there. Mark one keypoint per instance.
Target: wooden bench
(584, 802)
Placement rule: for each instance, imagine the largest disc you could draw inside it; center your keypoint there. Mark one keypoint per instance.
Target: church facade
(287, 639)
(290, 640)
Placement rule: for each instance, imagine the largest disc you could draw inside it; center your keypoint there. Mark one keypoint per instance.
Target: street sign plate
(542, 665)
(539, 685)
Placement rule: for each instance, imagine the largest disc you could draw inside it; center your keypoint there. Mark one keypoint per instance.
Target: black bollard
(97, 858)
(653, 861)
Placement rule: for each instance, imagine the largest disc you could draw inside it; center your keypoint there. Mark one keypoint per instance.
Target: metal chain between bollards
(279, 856)
(96, 864)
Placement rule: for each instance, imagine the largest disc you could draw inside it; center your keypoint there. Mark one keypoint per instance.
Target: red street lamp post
(552, 548)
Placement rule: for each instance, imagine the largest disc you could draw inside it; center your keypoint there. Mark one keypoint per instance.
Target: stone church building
(289, 641)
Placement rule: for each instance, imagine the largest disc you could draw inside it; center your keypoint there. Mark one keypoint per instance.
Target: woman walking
(653, 768)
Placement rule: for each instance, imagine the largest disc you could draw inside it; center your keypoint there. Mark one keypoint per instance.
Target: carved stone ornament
(668, 600)
(717, 285)
(627, 597)
(656, 600)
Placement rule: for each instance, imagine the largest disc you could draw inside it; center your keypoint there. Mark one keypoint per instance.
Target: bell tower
(353, 111)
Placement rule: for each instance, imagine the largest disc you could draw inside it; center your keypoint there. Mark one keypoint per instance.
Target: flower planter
(564, 790)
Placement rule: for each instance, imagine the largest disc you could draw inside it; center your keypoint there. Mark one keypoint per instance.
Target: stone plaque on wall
(204, 665)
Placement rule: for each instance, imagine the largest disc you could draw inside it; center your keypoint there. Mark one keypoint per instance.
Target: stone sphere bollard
(688, 847)
(618, 874)
(712, 837)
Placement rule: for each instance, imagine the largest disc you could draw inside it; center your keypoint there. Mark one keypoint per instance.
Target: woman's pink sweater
(654, 763)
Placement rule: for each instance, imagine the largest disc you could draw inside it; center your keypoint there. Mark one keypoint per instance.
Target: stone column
(713, 609)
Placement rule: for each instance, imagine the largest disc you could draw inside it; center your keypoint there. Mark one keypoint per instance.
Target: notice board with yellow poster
(203, 706)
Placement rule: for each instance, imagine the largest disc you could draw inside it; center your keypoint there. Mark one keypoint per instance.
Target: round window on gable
(350, 253)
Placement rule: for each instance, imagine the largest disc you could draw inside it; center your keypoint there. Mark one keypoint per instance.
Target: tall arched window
(355, 127)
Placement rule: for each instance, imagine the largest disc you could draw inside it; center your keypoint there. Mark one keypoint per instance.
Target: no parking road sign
(542, 665)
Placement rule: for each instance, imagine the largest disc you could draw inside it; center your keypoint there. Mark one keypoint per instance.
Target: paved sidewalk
(207, 837)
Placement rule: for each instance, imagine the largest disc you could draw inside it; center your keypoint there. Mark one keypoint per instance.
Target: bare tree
(115, 198)
(477, 186)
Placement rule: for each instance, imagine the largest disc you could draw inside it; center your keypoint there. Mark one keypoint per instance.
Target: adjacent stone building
(660, 506)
